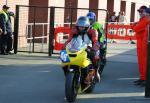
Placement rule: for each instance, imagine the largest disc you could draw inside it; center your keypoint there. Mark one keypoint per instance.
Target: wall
(132, 13)
(128, 11)
(82, 4)
(102, 4)
(117, 4)
(93, 4)
(59, 17)
(139, 3)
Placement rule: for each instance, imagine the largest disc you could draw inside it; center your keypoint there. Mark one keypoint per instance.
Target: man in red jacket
(141, 30)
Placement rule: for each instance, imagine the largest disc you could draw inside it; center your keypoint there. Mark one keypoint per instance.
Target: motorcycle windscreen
(76, 44)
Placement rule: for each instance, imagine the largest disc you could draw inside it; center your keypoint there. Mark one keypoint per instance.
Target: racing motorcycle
(78, 70)
(102, 62)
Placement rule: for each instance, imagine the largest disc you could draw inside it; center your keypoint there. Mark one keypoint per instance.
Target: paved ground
(37, 78)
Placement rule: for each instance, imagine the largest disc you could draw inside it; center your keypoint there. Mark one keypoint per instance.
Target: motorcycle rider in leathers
(82, 28)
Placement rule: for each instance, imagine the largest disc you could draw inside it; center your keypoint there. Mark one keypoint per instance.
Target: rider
(82, 28)
(101, 37)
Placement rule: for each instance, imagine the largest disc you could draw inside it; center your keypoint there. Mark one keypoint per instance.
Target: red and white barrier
(119, 31)
(114, 31)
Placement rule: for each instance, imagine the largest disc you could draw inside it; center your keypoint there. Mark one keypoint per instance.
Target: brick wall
(82, 4)
(117, 6)
(102, 4)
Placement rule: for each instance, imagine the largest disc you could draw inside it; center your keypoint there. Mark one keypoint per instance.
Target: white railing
(29, 32)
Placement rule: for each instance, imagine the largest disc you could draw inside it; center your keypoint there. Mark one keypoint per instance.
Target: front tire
(70, 87)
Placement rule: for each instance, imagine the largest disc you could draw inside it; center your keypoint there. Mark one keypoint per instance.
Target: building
(129, 6)
(28, 15)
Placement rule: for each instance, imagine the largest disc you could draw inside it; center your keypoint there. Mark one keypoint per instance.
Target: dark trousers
(9, 43)
(5, 43)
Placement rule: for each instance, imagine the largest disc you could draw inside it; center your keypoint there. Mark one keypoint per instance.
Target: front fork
(77, 75)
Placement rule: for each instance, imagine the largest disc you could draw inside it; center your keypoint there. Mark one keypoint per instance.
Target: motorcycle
(78, 70)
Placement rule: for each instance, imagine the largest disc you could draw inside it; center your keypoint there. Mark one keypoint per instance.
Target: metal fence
(35, 26)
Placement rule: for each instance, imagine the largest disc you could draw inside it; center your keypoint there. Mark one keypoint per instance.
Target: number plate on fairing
(64, 56)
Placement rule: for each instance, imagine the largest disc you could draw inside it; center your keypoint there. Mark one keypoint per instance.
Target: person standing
(9, 33)
(141, 30)
(121, 18)
(113, 17)
(113, 20)
(5, 25)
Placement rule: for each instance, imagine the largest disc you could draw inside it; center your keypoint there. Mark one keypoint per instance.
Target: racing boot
(142, 84)
(139, 82)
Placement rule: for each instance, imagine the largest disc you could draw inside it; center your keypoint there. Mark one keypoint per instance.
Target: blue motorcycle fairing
(64, 56)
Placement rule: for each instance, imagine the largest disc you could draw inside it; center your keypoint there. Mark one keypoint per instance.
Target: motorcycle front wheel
(70, 87)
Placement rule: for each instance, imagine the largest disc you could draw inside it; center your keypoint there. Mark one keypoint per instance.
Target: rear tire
(101, 69)
(70, 90)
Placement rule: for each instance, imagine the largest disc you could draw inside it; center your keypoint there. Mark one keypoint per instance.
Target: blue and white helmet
(83, 21)
(91, 16)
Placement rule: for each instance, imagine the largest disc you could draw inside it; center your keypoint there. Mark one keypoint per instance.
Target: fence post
(147, 87)
(51, 33)
(33, 35)
(106, 27)
(71, 19)
(16, 29)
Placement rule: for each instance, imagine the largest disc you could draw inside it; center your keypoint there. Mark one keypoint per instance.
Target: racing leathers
(102, 41)
(88, 37)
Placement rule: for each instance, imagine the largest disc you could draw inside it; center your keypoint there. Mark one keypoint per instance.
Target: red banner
(118, 31)
(61, 34)
(115, 31)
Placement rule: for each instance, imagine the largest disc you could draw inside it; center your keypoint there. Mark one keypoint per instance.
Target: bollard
(147, 87)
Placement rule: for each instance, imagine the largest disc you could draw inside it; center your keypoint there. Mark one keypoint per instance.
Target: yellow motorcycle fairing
(78, 58)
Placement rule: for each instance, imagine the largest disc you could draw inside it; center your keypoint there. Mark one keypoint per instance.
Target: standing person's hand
(11, 14)
(5, 32)
(1, 31)
(133, 24)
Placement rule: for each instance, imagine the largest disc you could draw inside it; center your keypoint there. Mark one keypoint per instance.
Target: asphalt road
(37, 78)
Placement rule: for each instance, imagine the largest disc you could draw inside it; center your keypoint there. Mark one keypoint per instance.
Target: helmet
(83, 21)
(91, 16)
(142, 9)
